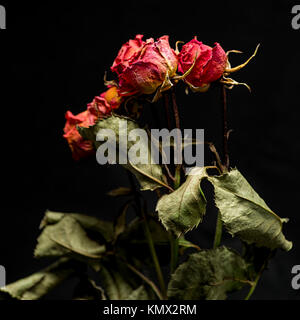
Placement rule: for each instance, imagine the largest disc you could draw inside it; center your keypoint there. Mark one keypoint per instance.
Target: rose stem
(263, 267)
(219, 225)
(174, 240)
(149, 238)
(167, 111)
(225, 129)
(169, 122)
(154, 256)
(177, 122)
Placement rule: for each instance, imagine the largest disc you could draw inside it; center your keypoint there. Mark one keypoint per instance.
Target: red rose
(127, 53)
(80, 148)
(142, 67)
(100, 106)
(103, 104)
(209, 66)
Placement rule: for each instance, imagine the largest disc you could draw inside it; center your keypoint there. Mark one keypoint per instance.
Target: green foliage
(209, 275)
(183, 209)
(39, 284)
(118, 286)
(68, 238)
(245, 214)
(150, 176)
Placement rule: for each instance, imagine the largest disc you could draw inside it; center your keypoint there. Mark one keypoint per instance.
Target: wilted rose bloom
(209, 65)
(144, 66)
(80, 148)
(103, 104)
(129, 51)
(100, 106)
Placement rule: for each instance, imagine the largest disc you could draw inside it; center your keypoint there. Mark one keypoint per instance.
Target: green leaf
(182, 242)
(245, 214)
(150, 176)
(68, 238)
(115, 282)
(105, 228)
(39, 284)
(184, 208)
(209, 275)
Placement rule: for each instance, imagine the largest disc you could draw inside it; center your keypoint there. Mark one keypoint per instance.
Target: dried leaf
(245, 214)
(150, 175)
(184, 208)
(209, 275)
(39, 284)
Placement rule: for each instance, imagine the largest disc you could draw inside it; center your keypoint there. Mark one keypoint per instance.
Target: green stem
(155, 259)
(148, 235)
(150, 283)
(177, 177)
(174, 252)
(252, 288)
(258, 277)
(218, 233)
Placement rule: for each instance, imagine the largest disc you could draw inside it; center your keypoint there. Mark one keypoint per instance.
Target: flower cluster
(100, 107)
(151, 67)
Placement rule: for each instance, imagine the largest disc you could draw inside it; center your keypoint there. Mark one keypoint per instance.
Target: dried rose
(208, 64)
(128, 52)
(80, 148)
(145, 67)
(103, 104)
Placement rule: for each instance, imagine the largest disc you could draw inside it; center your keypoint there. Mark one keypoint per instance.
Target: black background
(53, 58)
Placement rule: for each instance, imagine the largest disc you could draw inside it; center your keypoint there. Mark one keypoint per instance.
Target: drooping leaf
(208, 275)
(149, 175)
(39, 284)
(245, 214)
(68, 238)
(184, 208)
(105, 228)
(117, 286)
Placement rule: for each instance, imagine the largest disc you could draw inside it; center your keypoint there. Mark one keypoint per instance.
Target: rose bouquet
(148, 256)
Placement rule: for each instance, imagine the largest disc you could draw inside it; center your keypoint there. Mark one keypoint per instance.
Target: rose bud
(146, 68)
(203, 65)
(102, 105)
(80, 148)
